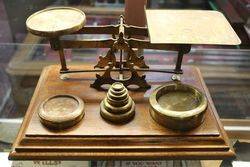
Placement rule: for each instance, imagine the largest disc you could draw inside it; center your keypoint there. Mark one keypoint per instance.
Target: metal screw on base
(64, 76)
(176, 77)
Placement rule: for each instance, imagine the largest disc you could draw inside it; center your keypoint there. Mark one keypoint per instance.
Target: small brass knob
(118, 106)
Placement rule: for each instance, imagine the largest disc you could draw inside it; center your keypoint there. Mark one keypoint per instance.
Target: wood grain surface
(94, 138)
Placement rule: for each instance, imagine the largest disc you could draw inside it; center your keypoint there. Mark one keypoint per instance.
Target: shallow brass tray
(190, 27)
(178, 106)
(56, 21)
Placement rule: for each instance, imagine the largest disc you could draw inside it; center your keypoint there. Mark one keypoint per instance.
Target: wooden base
(94, 138)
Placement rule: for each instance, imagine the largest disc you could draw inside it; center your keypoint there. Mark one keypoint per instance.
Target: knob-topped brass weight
(118, 106)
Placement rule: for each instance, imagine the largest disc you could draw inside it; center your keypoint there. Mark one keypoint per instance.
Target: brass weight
(118, 106)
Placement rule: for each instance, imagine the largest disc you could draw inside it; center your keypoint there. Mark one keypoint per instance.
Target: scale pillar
(55, 45)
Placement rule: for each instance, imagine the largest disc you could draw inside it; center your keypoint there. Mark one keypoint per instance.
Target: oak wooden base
(94, 138)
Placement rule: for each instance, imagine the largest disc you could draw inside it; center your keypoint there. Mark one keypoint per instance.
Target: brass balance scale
(177, 108)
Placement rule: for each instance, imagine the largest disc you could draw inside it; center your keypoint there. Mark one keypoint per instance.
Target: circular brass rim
(177, 115)
(117, 86)
(118, 93)
(62, 121)
(64, 125)
(59, 32)
(121, 102)
(117, 118)
(119, 96)
(120, 109)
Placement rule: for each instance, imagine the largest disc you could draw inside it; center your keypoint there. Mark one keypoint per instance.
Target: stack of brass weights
(118, 106)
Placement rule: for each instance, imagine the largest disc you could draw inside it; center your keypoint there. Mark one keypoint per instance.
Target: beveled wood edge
(27, 117)
(152, 148)
(215, 113)
(122, 155)
(166, 142)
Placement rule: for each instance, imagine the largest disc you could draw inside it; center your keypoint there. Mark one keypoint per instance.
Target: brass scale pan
(178, 106)
(56, 21)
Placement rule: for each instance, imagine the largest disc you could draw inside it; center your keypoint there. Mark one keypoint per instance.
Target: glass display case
(226, 70)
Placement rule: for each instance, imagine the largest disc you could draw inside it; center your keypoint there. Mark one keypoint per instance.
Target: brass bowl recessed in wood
(56, 21)
(178, 106)
(61, 111)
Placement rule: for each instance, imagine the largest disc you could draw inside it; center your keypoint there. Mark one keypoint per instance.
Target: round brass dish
(118, 106)
(178, 106)
(56, 21)
(61, 111)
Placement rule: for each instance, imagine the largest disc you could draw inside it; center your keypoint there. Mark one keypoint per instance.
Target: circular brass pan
(56, 21)
(178, 106)
(61, 111)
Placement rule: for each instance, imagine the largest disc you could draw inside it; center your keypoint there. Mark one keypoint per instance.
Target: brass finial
(118, 106)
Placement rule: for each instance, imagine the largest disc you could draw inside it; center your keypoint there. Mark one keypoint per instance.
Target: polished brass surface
(178, 106)
(190, 27)
(132, 60)
(56, 21)
(120, 44)
(134, 78)
(118, 106)
(121, 41)
(61, 111)
(167, 29)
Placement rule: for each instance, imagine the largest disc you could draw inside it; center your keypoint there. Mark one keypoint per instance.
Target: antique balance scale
(170, 114)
